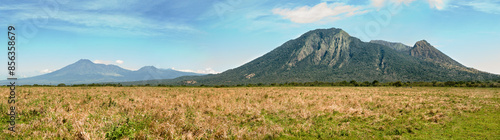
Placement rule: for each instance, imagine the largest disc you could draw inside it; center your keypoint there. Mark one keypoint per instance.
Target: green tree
(344, 83)
(450, 84)
(398, 84)
(366, 84)
(354, 83)
(375, 83)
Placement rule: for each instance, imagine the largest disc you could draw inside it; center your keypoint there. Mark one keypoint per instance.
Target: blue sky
(212, 36)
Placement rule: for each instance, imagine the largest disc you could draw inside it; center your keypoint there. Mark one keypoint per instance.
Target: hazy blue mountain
(85, 71)
(333, 55)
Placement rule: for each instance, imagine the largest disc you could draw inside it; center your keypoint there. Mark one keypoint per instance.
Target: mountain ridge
(328, 55)
(85, 71)
(395, 45)
(333, 55)
(425, 50)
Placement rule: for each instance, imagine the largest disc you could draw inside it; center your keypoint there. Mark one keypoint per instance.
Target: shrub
(398, 84)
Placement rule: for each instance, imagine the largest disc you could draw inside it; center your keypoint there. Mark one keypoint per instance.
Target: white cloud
(402, 1)
(119, 61)
(46, 71)
(108, 62)
(105, 4)
(205, 71)
(378, 3)
(382, 3)
(487, 6)
(102, 62)
(484, 6)
(438, 4)
(116, 21)
(95, 17)
(321, 11)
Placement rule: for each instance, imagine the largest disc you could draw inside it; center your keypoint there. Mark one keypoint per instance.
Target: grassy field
(254, 113)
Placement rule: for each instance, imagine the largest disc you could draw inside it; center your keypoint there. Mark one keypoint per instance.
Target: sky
(212, 36)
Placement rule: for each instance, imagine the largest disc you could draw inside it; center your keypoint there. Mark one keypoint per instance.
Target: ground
(254, 113)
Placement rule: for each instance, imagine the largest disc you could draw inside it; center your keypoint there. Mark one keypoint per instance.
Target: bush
(449, 84)
(366, 84)
(354, 83)
(398, 84)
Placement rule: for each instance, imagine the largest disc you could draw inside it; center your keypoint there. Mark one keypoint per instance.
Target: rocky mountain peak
(333, 55)
(322, 46)
(424, 50)
(423, 44)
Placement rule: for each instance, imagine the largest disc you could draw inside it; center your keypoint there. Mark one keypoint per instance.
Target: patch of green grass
(484, 124)
(128, 127)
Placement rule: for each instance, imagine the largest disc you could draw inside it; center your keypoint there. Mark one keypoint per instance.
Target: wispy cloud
(318, 12)
(46, 71)
(97, 14)
(382, 3)
(205, 71)
(18, 7)
(378, 3)
(486, 6)
(116, 22)
(436, 4)
(107, 62)
(102, 62)
(105, 4)
(119, 61)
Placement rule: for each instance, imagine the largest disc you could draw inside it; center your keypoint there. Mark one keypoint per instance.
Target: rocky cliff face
(323, 48)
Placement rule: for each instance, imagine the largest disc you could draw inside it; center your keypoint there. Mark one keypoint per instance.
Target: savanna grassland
(254, 113)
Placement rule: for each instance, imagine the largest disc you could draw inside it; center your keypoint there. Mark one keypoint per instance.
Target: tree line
(376, 83)
(352, 83)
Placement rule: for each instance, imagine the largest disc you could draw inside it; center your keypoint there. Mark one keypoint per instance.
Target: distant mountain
(333, 55)
(85, 71)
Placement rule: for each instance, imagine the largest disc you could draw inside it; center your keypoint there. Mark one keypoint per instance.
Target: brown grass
(222, 113)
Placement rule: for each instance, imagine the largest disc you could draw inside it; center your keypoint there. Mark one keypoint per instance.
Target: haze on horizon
(216, 35)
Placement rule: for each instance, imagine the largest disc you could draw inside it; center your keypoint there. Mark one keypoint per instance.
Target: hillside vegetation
(332, 55)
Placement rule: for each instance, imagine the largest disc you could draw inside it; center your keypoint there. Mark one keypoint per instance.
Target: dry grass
(241, 113)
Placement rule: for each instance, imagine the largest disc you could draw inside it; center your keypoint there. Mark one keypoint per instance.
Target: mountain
(333, 55)
(424, 50)
(394, 45)
(85, 71)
